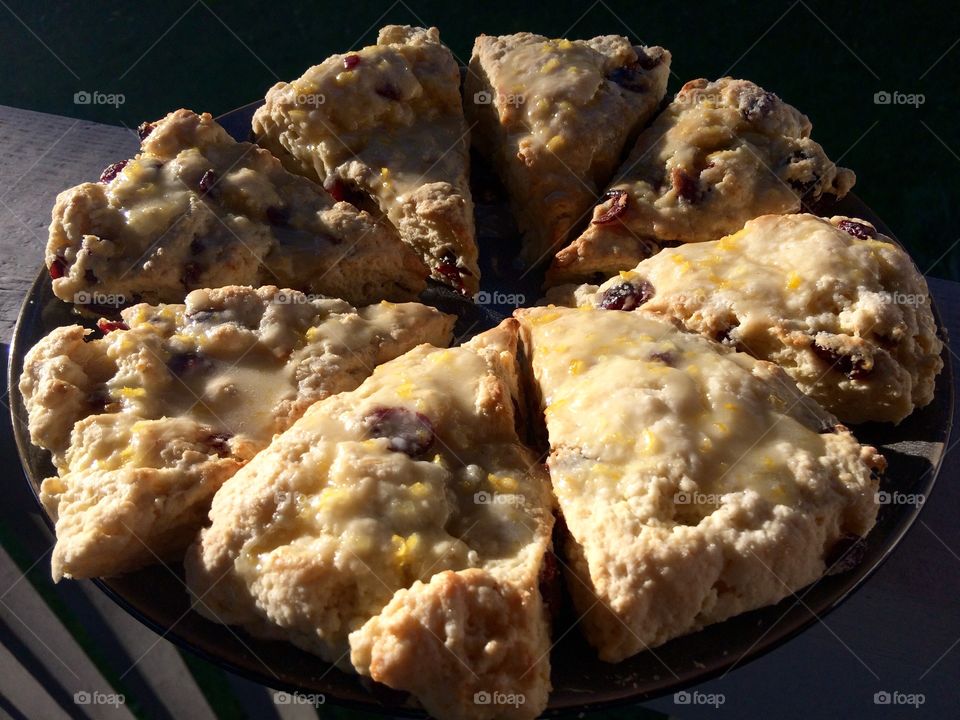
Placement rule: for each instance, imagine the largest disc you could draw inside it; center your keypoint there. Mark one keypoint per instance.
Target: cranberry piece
(336, 189)
(685, 185)
(111, 172)
(108, 326)
(619, 198)
(208, 180)
(857, 230)
(757, 106)
(98, 400)
(388, 91)
(351, 61)
(278, 215)
(664, 356)
(649, 58)
(852, 366)
(631, 77)
(58, 268)
(845, 554)
(626, 296)
(144, 129)
(450, 271)
(407, 431)
(183, 363)
(219, 442)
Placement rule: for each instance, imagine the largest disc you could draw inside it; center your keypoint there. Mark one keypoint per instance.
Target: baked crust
(722, 153)
(840, 307)
(402, 519)
(704, 485)
(145, 423)
(386, 121)
(195, 209)
(555, 117)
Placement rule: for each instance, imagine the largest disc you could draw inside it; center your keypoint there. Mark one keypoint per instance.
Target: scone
(722, 153)
(145, 423)
(841, 308)
(195, 209)
(386, 122)
(696, 482)
(555, 117)
(399, 529)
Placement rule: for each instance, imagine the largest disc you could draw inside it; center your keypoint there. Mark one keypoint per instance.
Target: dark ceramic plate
(156, 595)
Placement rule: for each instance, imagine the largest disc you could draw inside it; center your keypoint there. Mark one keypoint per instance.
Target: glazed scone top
(704, 485)
(387, 121)
(556, 115)
(242, 362)
(196, 209)
(721, 153)
(840, 307)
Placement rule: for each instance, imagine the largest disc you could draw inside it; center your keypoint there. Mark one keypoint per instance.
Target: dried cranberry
(389, 91)
(144, 129)
(853, 366)
(219, 442)
(664, 356)
(407, 431)
(107, 326)
(626, 296)
(351, 61)
(183, 363)
(448, 269)
(278, 215)
(58, 268)
(336, 188)
(757, 106)
(845, 554)
(632, 77)
(111, 172)
(856, 229)
(208, 180)
(99, 399)
(649, 58)
(685, 185)
(619, 198)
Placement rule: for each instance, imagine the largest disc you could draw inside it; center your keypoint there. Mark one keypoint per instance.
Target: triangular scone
(696, 482)
(722, 153)
(195, 209)
(841, 308)
(387, 121)
(145, 423)
(399, 529)
(555, 117)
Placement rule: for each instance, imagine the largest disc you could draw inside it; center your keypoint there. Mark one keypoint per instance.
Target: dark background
(826, 58)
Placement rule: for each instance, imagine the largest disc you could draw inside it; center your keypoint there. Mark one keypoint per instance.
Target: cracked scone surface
(387, 121)
(704, 484)
(840, 307)
(555, 116)
(722, 153)
(401, 525)
(195, 209)
(145, 423)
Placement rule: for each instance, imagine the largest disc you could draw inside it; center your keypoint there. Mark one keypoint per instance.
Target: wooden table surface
(898, 634)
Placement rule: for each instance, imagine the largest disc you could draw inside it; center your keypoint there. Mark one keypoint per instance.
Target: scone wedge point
(840, 307)
(554, 117)
(704, 485)
(386, 122)
(145, 423)
(399, 529)
(722, 153)
(196, 209)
